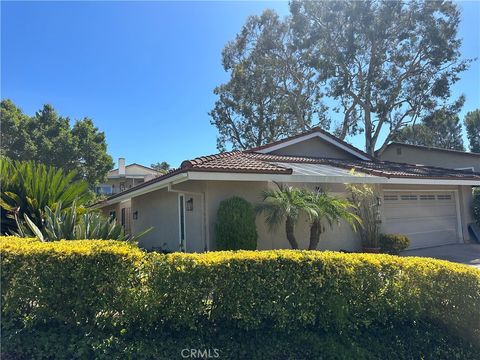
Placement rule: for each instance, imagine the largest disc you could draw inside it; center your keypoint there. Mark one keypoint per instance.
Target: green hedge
(106, 299)
(476, 205)
(235, 228)
(393, 243)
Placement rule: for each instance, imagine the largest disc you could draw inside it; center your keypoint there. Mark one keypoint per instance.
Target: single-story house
(431, 156)
(429, 204)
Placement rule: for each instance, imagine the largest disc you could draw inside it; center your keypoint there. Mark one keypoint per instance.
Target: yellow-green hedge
(99, 284)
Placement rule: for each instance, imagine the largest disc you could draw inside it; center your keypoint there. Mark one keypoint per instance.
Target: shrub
(27, 187)
(393, 243)
(365, 197)
(70, 224)
(97, 299)
(235, 228)
(476, 205)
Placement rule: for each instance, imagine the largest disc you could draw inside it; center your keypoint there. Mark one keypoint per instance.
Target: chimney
(121, 166)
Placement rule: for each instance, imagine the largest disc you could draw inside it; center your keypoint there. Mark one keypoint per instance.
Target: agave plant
(28, 187)
(71, 224)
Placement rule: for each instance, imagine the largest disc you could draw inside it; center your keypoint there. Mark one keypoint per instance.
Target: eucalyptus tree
(271, 93)
(442, 129)
(385, 63)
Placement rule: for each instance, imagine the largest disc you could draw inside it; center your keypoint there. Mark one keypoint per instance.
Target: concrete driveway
(468, 254)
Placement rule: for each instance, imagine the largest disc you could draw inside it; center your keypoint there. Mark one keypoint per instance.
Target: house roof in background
(433, 148)
(136, 164)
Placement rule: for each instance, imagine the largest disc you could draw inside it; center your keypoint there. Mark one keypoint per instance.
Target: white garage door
(427, 218)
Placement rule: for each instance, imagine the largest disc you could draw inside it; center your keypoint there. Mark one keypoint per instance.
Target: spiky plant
(28, 187)
(67, 224)
(285, 205)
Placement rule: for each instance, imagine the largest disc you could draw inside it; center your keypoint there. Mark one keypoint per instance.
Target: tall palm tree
(285, 204)
(329, 209)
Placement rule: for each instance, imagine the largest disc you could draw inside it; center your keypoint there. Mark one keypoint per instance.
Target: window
(122, 221)
(444, 197)
(399, 151)
(408, 197)
(390, 197)
(112, 214)
(427, 197)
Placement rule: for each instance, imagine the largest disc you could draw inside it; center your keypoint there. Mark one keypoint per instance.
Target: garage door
(427, 218)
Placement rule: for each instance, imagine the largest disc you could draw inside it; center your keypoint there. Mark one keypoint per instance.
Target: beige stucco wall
(431, 157)
(157, 209)
(340, 237)
(160, 210)
(314, 147)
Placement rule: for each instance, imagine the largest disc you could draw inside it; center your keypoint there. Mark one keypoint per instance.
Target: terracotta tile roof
(235, 161)
(253, 162)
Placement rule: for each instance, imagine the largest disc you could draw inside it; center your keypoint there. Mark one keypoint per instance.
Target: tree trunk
(290, 229)
(315, 231)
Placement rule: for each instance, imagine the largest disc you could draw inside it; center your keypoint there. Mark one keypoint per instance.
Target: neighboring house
(429, 204)
(432, 156)
(125, 177)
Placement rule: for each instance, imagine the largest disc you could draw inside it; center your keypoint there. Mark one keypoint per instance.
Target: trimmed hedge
(476, 205)
(393, 243)
(111, 300)
(235, 228)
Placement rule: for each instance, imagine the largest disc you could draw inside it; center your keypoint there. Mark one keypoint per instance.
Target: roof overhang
(335, 177)
(341, 179)
(143, 190)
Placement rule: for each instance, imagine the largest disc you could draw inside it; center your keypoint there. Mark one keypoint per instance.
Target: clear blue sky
(144, 71)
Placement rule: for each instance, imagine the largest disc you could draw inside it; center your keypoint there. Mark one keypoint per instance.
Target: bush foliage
(88, 298)
(235, 228)
(476, 205)
(393, 243)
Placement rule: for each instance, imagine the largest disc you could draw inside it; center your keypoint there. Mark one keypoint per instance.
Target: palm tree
(330, 209)
(285, 204)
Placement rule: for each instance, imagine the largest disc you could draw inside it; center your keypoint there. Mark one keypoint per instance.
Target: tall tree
(272, 93)
(441, 129)
(14, 140)
(162, 167)
(386, 63)
(472, 124)
(49, 139)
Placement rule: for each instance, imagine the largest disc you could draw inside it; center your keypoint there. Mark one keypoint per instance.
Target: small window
(399, 151)
(112, 215)
(390, 197)
(408, 197)
(444, 197)
(427, 197)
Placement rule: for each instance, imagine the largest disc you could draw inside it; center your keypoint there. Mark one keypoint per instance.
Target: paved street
(468, 254)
